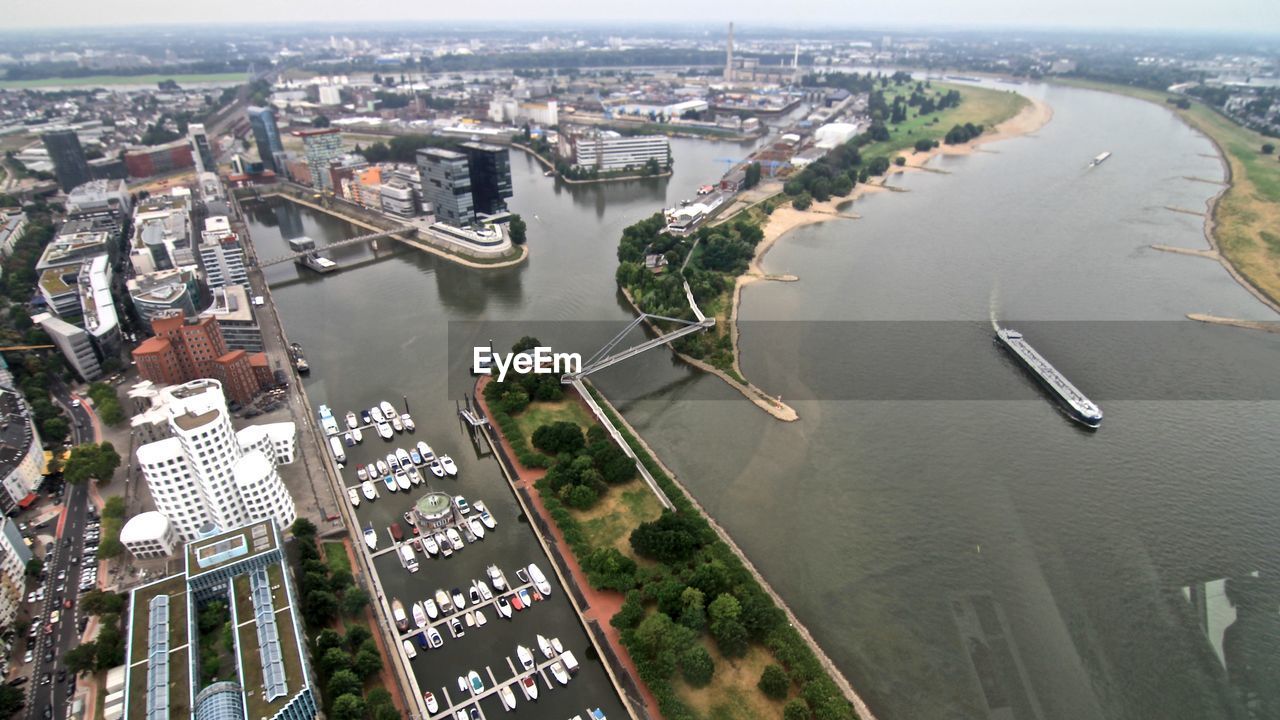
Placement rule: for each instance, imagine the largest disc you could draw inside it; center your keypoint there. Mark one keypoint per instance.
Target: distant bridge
(402, 230)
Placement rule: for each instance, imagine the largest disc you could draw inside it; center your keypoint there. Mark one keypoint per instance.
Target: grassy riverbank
(1246, 219)
(695, 621)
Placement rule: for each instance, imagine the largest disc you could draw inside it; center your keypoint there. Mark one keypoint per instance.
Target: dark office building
(266, 133)
(490, 167)
(446, 184)
(69, 163)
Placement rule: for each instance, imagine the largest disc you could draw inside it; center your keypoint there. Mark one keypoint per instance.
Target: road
(65, 558)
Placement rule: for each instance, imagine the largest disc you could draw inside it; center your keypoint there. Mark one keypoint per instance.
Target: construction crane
(17, 348)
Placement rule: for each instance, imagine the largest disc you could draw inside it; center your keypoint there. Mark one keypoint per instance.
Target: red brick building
(149, 160)
(186, 349)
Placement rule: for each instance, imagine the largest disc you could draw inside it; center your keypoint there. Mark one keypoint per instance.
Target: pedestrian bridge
(402, 230)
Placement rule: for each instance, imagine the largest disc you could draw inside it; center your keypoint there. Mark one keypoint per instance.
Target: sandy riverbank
(786, 218)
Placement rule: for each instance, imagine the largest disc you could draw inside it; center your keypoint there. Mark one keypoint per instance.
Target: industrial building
(245, 568)
(207, 474)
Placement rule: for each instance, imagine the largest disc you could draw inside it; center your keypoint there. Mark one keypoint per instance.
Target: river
(958, 547)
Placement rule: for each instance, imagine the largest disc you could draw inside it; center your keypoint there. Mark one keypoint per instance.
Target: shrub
(672, 538)
(796, 710)
(774, 682)
(696, 665)
(803, 201)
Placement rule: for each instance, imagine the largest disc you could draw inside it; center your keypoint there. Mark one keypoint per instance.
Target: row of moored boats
(399, 470)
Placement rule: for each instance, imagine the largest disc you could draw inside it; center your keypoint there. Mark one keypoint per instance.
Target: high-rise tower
(728, 60)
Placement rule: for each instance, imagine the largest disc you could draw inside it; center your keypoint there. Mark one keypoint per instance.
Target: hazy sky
(1254, 16)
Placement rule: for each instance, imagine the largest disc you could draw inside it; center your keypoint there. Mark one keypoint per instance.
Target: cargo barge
(1080, 408)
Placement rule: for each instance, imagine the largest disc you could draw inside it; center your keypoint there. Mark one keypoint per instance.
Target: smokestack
(728, 61)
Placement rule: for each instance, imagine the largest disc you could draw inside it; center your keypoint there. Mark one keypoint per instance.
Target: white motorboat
(397, 614)
(474, 594)
(477, 685)
(403, 457)
(392, 462)
(415, 456)
(485, 593)
(414, 476)
(407, 422)
(555, 645)
(529, 686)
(455, 628)
(496, 577)
(425, 451)
(539, 581)
(403, 481)
(461, 503)
(384, 431)
(348, 439)
(462, 684)
(432, 705)
(436, 468)
(419, 615)
(407, 558)
(454, 538)
(327, 422)
(357, 435)
(388, 410)
(504, 607)
(383, 468)
(446, 547)
(477, 527)
(488, 520)
(508, 697)
(365, 418)
(409, 649)
(459, 600)
(429, 544)
(376, 415)
(371, 537)
(433, 637)
(545, 646)
(449, 467)
(523, 596)
(352, 422)
(354, 497)
(372, 471)
(525, 656)
(361, 473)
(570, 662)
(390, 482)
(470, 617)
(480, 618)
(335, 445)
(370, 492)
(429, 606)
(442, 599)
(559, 673)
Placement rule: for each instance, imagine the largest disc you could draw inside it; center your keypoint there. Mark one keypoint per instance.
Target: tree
(319, 607)
(98, 461)
(1268, 148)
(924, 145)
(367, 664)
(82, 658)
(327, 639)
(608, 569)
(354, 600)
(303, 529)
(656, 646)
(334, 659)
(692, 613)
(802, 201)
(54, 428)
(558, 437)
(34, 567)
(774, 682)
(900, 161)
(579, 497)
(348, 706)
(518, 230)
(796, 710)
(696, 665)
(729, 633)
(320, 121)
(344, 682)
(672, 538)
(751, 177)
(357, 636)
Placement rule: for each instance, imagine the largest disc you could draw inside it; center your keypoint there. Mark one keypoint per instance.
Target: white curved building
(149, 535)
(206, 472)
